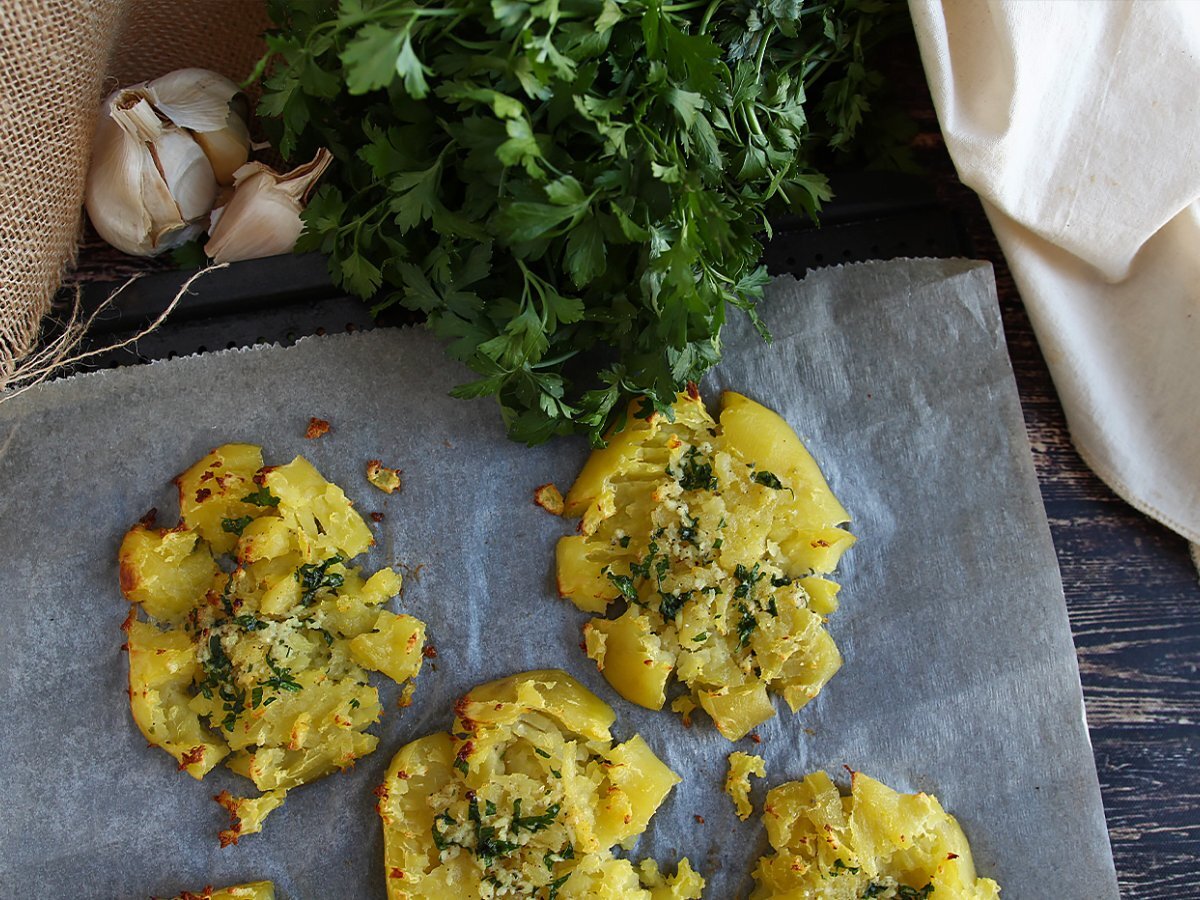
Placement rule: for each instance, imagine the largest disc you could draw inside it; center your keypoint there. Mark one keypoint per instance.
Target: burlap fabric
(58, 60)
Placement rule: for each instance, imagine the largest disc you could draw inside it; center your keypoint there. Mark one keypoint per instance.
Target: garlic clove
(195, 99)
(188, 174)
(213, 108)
(263, 216)
(126, 196)
(227, 150)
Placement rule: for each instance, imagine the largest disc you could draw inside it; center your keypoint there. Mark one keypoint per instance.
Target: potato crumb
(684, 705)
(257, 890)
(406, 695)
(737, 782)
(549, 498)
(387, 480)
(316, 428)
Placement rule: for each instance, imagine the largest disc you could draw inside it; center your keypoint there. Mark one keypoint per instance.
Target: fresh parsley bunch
(572, 191)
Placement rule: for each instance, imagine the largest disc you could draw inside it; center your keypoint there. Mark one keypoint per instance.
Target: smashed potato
(712, 538)
(525, 797)
(874, 843)
(257, 890)
(260, 662)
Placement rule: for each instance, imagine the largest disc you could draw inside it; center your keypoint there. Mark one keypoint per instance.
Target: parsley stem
(762, 47)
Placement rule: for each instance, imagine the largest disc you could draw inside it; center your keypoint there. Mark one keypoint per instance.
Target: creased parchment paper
(960, 676)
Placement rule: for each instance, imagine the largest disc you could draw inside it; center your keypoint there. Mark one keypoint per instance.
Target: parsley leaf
(553, 182)
(236, 526)
(261, 497)
(767, 479)
(316, 577)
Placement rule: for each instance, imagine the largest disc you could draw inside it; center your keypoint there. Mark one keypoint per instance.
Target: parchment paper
(960, 676)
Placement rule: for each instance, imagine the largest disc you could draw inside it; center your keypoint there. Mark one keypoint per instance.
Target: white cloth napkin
(1078, 124)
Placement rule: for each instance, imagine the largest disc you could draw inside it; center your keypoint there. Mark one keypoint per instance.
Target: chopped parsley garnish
(250, 622)
(899, 892)
(694, 473)
(540, 752)
(747, 578)
(780, 581)
(315, 577)
(226, 601)
(218, 678)
(839, 867)
(487, 841)
(533, 823)
(281, 678)
(624, 540)
(238, 525)
(624, 584)
(718, 543)
(551, 857)
(652, 564)
(235, 702)
(687, 531)
(439, 838)
(461, 765)
(217, 668)
(767, 479)
(672, 604)
(552, 894)
(261, 497)
(701, 637)
(354, 704)
(324, 633)
(745, 626)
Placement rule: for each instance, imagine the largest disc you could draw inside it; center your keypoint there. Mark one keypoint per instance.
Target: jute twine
(59, 59)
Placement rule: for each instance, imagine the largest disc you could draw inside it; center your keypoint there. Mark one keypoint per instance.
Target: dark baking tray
(284, 298)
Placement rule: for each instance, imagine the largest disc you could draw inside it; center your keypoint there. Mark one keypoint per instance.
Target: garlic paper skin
(263, 216)
(160, 153)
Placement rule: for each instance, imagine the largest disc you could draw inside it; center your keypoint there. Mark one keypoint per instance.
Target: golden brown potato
(709, 538)
(261, 663)
(526, 796)
(874, 843)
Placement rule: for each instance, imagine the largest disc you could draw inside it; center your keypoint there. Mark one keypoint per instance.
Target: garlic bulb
(263, 216)
(160, 152)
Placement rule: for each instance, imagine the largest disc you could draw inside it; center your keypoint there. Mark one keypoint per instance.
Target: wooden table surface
(1133, 593)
